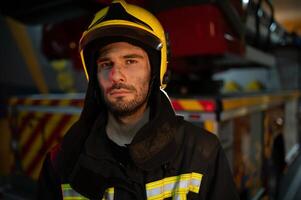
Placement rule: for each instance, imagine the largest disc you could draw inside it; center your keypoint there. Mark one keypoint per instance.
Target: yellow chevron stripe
(38, 142)
(27, 131)
(31, 124)
(20, 117)
(50, 130)
(190, 105)
(24, 136)
(45, 102)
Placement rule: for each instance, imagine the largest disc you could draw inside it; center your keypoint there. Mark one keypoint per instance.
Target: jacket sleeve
(221, 183)
(49, 187)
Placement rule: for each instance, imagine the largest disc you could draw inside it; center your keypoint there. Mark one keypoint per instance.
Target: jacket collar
(152, 146)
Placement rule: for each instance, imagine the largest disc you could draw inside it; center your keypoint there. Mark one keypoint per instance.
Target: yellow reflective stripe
(195, 182)
(109, 194)
(70, 194)
(175, 186)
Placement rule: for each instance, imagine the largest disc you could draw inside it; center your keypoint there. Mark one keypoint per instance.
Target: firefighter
(128, 142)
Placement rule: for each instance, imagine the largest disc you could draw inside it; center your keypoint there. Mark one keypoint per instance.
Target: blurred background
(235, 70)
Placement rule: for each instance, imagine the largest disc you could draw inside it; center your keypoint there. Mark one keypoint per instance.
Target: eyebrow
(105, 58)
(133, 56)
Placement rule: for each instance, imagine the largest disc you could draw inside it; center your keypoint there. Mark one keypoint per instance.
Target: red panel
(209, 106)
(176, 105)
(60, 41)
(198, 30)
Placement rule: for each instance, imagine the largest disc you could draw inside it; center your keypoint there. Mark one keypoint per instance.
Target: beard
(121, 107)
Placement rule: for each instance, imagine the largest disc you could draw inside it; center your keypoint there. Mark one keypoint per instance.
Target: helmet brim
(121, 31)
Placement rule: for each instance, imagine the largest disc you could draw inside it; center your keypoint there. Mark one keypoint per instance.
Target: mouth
(119, 92)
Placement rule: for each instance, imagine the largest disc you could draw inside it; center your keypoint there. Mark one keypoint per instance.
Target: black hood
(85, 148)
(153, 139)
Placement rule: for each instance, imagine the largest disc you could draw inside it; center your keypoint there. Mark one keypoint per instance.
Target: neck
(133, 118)
(122, 133)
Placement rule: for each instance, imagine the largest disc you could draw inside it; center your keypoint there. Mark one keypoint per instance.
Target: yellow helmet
(128, 21)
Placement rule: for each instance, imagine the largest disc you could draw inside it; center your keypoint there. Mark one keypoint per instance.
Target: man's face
(123, 72)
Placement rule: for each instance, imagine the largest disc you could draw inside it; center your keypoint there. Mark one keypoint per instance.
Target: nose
(117, 74)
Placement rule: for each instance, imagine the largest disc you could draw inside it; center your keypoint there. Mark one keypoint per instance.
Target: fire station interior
(234, 69)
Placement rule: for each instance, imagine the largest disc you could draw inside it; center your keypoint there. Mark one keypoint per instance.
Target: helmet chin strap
(151, 90)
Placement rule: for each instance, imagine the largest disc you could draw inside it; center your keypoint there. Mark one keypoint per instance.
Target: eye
(104, 65)
(131, 61)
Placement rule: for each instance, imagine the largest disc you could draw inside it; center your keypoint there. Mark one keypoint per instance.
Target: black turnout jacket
(169, 158)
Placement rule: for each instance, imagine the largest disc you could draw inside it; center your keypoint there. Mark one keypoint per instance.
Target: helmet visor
(124, 32)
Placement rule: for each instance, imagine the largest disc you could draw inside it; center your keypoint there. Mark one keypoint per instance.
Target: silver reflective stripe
(183, 184)
(195, 182)
(180, 196)
(70, 194)
(176, 187)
